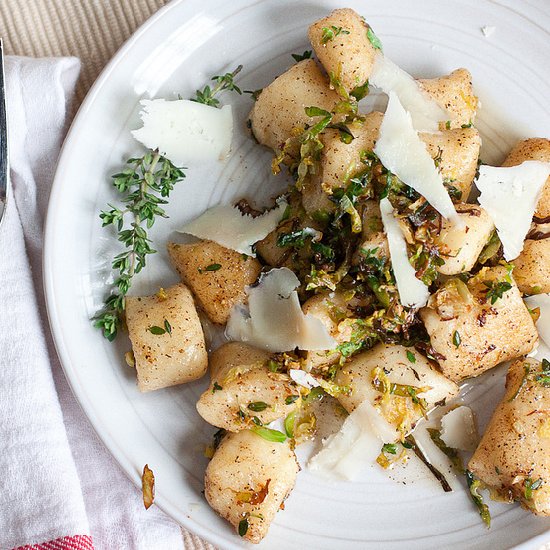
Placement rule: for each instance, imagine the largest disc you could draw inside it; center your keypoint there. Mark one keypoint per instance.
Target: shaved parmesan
(402, 152)
(542, 301)
(425, 112)
(412, 291)
(274, 320)
(226, 225)
(358, 442)
(184, 131)
(458, 429)
(510, 196)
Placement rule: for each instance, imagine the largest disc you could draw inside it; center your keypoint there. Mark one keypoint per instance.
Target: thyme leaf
(269, 434)
(144, 186)
(257, 406)
(530, 486)
(456, 339)
(496, 290)
(208, 94)
(330, 33)
(243, 527)
(373, 39)
(300, 57)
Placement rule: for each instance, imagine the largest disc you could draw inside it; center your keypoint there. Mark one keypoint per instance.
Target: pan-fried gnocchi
(454, 92)
(532, 267)
(417, 386)
(345, 49)
(244, 389)
(216, 275)
(474, 326)
(513, 456)
(247, 481)
(167, 338)
(533, 149)
(280, 108)
(384, 285)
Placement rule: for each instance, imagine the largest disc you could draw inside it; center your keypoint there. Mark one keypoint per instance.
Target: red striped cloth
(77, 542)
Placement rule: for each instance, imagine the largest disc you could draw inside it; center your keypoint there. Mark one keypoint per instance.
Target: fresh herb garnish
(529, 486)
(474, 485)
(390, 448)
(359, 92)
(291, 399)
(544, 377)
(243, 527)
(345, 133)
(297, 239)
(269, 434)
(330, 33)
(273, 366)
(216, 387)
(456, 339)
(491, 249)
(144, 186)
(157, 331)
(212, 267)
(411, 356)
(496, 290)
(207, 95)
(290, 421)
(257, 406)
(300, 57)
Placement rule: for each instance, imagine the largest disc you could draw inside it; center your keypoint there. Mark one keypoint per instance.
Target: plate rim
(48, 277)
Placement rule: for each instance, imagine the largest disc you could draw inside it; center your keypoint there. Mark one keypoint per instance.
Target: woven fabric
(92, 30)
(77, 542)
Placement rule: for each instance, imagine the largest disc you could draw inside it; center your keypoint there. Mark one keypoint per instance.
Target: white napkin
(57, 481)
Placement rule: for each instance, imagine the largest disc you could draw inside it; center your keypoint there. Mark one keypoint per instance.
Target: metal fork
(4, 165)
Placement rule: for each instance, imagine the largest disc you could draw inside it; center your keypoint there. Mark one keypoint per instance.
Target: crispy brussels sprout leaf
(148, 486)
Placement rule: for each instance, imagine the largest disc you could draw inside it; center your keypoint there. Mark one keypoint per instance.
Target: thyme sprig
(144, 186)
(223, 82)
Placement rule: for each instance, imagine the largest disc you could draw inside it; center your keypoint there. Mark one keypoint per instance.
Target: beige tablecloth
(92, 30)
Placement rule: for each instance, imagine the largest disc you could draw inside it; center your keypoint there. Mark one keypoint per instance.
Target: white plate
(174, 53)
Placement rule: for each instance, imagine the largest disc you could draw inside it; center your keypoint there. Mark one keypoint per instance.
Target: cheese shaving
(184, 131)
(458, 429)
(425, 112)
(510, 196)
(358, 443)
(303, 378)
(226, 225)
(274, 320)
(412, 291)
(403, 153)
